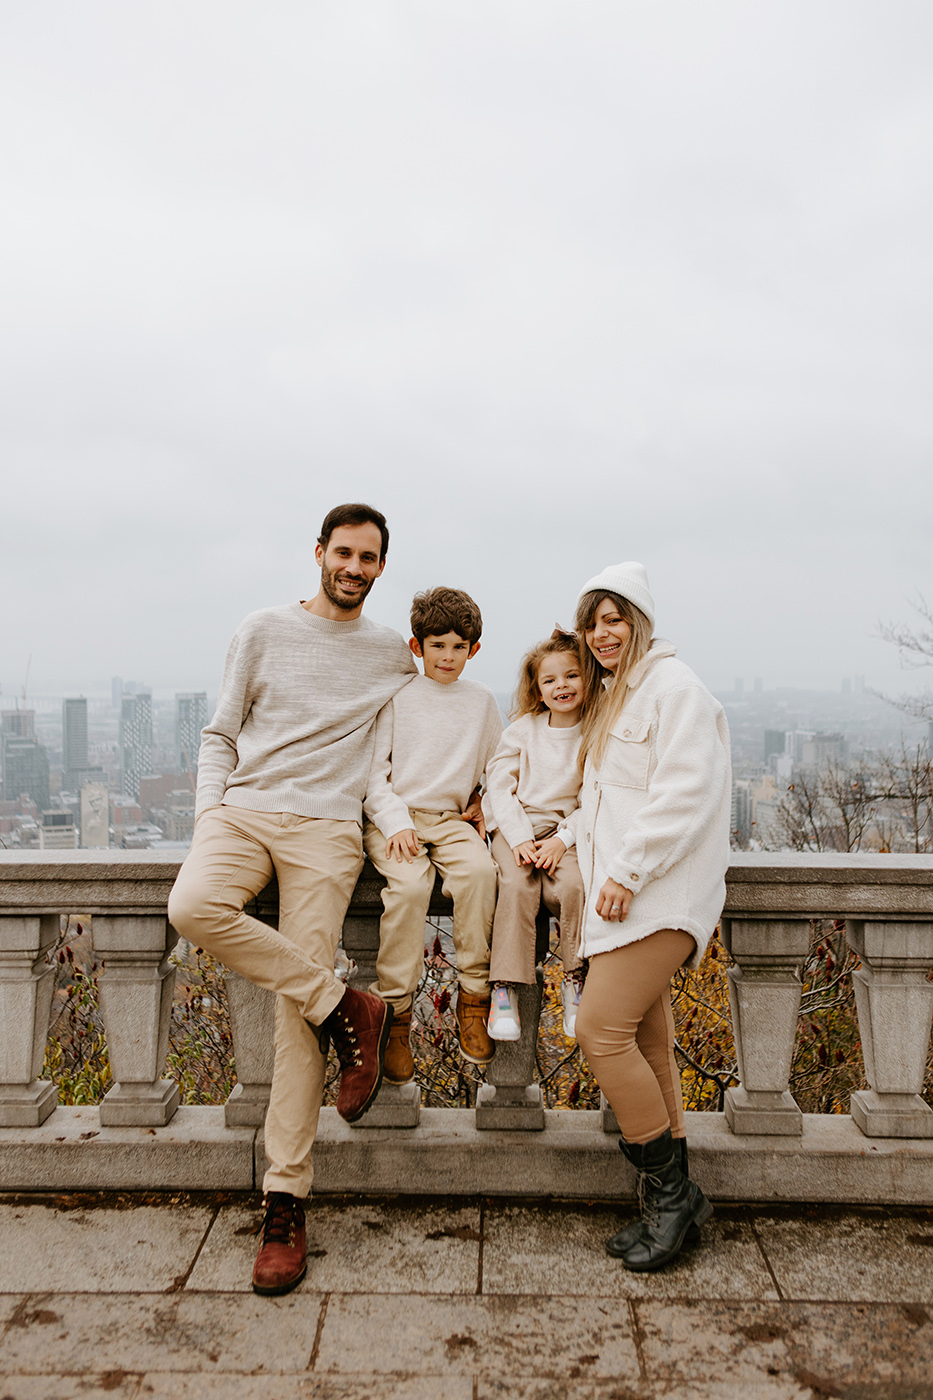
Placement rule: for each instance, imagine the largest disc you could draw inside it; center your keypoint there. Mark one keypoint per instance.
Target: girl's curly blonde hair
(527, 698)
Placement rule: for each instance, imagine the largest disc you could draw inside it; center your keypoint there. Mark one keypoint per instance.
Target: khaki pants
(233, 856)
(521, 890)
(625, 1028)
(452, 846)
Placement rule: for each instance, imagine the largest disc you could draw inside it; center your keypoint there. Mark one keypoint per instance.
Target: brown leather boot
(472, 1019)
(281, 1262)
(359, 1028)
(399, 1062)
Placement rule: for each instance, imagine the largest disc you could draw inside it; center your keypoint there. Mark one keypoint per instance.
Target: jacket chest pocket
(628, 754)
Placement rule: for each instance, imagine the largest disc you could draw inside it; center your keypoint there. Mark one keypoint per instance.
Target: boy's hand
(473, 813)
(548, 854)
(404, 845)
(613, 902)
(525, 853)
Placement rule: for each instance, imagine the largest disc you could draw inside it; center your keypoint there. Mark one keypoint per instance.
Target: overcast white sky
(552, 284)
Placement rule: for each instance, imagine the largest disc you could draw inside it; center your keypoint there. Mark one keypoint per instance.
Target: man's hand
(404, 845)
(549, 853)
(613, 902)
(524, 853)
(473, 813)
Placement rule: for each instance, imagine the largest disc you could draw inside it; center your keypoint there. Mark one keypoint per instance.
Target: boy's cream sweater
(533, 780)
(433, 742)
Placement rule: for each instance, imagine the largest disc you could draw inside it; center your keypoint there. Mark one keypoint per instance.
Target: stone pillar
(252, 1025)
(764, 992)
(396, 1105)
(510, 1098)
(894, 1001)
(136, 989)
(26, 986)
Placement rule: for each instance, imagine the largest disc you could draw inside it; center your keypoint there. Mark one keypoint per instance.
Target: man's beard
(339, 600)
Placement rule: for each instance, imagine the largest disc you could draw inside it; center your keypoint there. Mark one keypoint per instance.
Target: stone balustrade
(886, 900)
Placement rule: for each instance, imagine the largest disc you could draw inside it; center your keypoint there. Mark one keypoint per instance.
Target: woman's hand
(524, 853)
(549, 854)
(613, 902)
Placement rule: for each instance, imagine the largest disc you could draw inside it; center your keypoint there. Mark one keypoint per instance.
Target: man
(282, 773)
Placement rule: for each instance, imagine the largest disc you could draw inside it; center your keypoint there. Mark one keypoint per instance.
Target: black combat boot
(617, 1244)
(669, 1202)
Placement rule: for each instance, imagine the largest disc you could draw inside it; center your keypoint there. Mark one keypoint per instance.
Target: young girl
(532, 783)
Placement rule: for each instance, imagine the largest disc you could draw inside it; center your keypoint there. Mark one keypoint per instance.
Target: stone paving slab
(562, 1251)
(142, 1249)
(865, 1257)
(113, 1385)
(154, 1387)
(365, 1248)
(483, 1337)
(216, 1332)
(827, 1346)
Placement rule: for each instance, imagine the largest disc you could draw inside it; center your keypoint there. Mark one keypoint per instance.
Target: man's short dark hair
(354, 514)
(438, 611)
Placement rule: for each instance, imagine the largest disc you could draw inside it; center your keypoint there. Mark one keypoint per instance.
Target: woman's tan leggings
(625, 1028)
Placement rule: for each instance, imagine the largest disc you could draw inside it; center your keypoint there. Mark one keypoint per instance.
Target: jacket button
(596, 787)
(587, 838)
(633, 876)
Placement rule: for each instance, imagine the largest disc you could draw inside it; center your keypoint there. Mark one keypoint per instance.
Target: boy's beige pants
(233, 856)
(452, 846)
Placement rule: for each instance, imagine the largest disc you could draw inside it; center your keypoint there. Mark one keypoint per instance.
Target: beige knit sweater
(533, 780)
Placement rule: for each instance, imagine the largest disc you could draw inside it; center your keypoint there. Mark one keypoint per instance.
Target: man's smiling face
(350, 565)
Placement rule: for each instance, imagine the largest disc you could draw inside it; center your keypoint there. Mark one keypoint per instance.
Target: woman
(653, 845)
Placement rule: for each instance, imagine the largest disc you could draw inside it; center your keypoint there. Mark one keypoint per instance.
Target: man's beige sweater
(432, 746)
(295, 722)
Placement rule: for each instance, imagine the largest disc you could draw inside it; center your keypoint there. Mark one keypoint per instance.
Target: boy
(433, 741)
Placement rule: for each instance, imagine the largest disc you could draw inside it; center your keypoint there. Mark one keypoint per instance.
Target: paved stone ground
(133, 1296)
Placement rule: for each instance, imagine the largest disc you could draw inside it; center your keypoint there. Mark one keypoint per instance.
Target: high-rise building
(95, 815)
(25, 761)
(190, 719)
(74, 741)
(116, 691)
(135, 741)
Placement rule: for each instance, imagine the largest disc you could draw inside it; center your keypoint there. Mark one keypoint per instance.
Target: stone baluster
(136, 987)
(894, 1001)
(252, 1026)
(396, 1105)
(764, 992)
(26, 985)
(510, 1098)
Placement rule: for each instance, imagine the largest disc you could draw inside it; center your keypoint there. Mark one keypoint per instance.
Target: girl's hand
(549, 854)
(525, 853)
(404, 845)
(613, 902)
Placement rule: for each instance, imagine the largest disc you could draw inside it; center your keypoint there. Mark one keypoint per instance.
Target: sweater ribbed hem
(331, 806)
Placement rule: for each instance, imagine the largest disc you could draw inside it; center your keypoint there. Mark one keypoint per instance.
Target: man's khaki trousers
(234, 854)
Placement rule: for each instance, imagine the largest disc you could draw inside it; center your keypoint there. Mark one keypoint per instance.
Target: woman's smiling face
(608, 637)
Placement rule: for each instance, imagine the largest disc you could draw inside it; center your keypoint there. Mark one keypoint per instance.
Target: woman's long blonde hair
(603, 704)
(527, 698)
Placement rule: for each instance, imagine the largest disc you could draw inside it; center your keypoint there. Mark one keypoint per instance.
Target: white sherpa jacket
(655, 814)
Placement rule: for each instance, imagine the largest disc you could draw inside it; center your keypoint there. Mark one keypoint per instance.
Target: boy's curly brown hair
(437, 611)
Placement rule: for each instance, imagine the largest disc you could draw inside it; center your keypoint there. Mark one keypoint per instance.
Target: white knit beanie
(627, 580)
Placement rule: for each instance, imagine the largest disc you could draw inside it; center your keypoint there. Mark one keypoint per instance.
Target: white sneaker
(503, 1015)
(570, 990)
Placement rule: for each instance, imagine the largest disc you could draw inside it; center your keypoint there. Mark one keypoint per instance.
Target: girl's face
(608, 637)
(560, 682)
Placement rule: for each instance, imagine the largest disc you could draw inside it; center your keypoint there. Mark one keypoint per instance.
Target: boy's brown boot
(359, 1028)
(472, 1019)
(399, 1063)
(281, 1262)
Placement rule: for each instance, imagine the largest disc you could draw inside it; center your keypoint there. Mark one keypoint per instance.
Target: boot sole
(383, 1042)
(270, 1290)
(472, 1059)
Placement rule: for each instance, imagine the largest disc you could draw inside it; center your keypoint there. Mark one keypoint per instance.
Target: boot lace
(280, 1221)
(648, 1207)
(341, 1034)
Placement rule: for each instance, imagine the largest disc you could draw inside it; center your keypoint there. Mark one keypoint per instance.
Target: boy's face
(444, 657)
